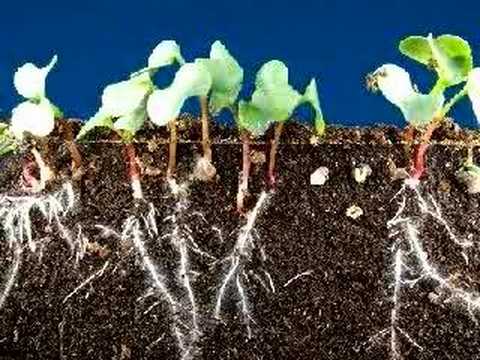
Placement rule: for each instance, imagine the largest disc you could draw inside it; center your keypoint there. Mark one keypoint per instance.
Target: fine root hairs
(240, 255)
(404, 228)
(179, 294)
(16, 223)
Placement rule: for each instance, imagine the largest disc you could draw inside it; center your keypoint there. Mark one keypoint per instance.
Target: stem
(458, 96)
(243, 183)
(133, 170)
(421, 149)
(273, 153)
(46, 173)
(77, 168)
(207, 150)
(172, 149)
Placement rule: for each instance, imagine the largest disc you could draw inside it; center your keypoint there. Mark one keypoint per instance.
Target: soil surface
(310, 281)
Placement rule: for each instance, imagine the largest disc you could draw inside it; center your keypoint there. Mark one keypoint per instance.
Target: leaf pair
(220, 77)
(35, 116)
(451, 58)
(274, 100)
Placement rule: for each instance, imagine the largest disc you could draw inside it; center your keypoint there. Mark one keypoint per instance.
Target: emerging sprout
(227, 79)
(451, 58)
(35, 117)
(164, 105)
(273, 101)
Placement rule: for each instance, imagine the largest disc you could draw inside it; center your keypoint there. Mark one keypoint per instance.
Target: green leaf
(100, 119)
(7, 140)
(227, 77)
(164, 54)
(449, 55)
(129, 124)
(311, 97)
(124, 97)
(420, 109)
(192, 79)
(252, 119)
(395, 84)
(416, 48)
(273, 94)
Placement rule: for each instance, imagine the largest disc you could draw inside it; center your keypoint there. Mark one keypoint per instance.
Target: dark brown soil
(339, 309)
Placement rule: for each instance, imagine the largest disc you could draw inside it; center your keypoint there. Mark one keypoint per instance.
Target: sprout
(227, 79)
(274, 100)
(164, 105)
(123, 107)
(451, 58)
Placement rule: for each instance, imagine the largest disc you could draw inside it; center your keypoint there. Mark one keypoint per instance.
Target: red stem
(243, 183)
(133, 170)
(420, 151)
(273, 153)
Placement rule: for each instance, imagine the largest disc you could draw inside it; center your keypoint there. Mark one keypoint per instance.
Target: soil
(339, 306)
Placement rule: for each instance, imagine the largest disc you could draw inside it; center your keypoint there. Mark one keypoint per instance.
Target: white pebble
(361, 173)
(354, 212)
(319, 176)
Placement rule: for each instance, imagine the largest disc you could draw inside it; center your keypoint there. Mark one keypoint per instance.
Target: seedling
(450, 57)
(273, 101)
(227, 79)
(34, 118)
(124, 107)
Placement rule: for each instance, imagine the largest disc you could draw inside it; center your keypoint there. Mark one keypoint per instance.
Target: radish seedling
(273, 100)
(34, 117)
(164, 105)
(227, 79)
(124, 106)
(450, 56)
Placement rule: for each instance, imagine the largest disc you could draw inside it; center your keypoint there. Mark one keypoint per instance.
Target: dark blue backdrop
(102, 41)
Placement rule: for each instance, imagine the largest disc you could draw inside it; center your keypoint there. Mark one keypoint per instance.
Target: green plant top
(449, 56)
(274, 100)
(36, 115)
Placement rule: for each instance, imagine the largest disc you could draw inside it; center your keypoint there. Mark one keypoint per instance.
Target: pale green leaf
(252, 119)
(192, 79)
(129, 124)
(227, 77)
(100, 120)
(449, 55)
(123, 98)
(420, 109)
(416, 48)
(273, 94)
(311, 97)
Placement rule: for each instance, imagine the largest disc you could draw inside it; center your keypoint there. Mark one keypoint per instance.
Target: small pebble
(319, 176)
(361, 173)
(354, 212)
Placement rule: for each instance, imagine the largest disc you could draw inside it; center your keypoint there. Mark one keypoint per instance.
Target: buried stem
(46, 172)
(77, 168)
(273, 153)
(420, 150)
(133, 170)
(172, 149)
(206, 145)
(243, 183)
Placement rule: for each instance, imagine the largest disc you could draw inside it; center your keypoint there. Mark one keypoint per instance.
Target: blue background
(102, 41)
